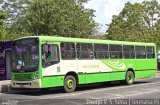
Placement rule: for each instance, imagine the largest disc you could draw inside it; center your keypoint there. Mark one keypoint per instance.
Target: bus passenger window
(68, 51)
(85, 51)
(128, 52)
(140, 52)
(115, 51)
(101, 51)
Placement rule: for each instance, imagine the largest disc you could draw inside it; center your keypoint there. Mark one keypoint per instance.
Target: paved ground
(4, 86)
(148, 91)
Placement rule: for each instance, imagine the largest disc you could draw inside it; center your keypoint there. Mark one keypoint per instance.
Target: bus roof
(81, 40)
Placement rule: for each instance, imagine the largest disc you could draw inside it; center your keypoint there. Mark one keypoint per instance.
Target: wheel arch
(74, 74)
(131, 69)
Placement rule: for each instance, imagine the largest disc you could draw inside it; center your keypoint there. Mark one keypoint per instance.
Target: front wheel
(69, 84)
(129, 78)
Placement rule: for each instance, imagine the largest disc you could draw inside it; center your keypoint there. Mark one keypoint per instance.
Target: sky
(105, 9)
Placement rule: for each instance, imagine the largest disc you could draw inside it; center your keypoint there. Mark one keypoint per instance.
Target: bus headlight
(36, 75)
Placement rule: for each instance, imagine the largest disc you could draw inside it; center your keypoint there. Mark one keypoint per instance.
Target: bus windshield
(25, 58)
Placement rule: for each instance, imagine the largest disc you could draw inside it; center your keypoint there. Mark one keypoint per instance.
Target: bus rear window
(150, 52)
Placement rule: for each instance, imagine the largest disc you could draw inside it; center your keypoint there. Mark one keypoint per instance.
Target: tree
(15, 10)
(3, 31)
(49, 17)
(63, 17)
(136, 22)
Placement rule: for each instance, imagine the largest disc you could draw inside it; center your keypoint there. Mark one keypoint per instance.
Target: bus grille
(23, 77)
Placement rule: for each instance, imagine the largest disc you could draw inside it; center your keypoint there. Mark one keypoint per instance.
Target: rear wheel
(129, 78)
(69, 83)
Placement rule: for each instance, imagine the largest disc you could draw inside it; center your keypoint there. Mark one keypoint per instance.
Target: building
(5, 60)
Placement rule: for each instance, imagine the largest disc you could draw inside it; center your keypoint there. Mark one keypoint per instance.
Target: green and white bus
(47, 61)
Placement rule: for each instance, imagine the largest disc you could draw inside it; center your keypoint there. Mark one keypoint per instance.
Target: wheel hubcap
(70, 84)
(130, 78)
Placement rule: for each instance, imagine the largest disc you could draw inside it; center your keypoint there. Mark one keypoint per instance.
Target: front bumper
(26, 84)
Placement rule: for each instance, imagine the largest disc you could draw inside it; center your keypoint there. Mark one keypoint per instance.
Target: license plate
(22, 86)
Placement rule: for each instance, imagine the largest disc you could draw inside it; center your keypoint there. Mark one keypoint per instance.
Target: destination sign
(25, 41)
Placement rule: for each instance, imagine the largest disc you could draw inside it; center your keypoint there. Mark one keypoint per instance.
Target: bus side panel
(93, 78)
(101, 77)
(91, 71)
(129, 63)
(145, 74)
(52, 81)
(85, 78)
(82, 79)
(141, 64)
(118, 76)
(119, 67)
(103, 70)
(151, 64)
(88, 78)
(53, 75)
(146, 68)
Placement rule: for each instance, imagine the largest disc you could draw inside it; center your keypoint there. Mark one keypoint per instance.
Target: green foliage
(48, 17)
(136, 22)
(62, 17)
(12, 10)
(3, 28)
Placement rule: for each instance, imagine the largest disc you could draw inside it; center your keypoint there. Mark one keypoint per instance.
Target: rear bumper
(26, 84)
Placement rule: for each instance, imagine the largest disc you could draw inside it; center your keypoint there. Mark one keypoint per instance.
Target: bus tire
(129, 80)
(69, 84)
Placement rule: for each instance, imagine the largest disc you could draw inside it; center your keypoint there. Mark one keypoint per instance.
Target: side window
(115, 51)
(150, 52)
(49, 54)
(85, 51)
(68, 51)
(101, 51)
(140, 52)
(128, 52)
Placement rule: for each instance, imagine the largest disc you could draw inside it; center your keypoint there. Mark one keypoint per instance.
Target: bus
(48, 61)
(5, 60)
